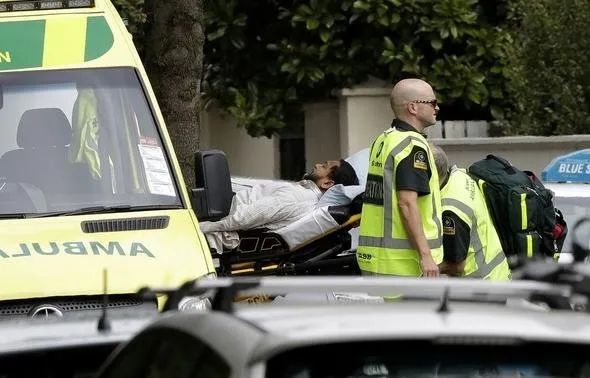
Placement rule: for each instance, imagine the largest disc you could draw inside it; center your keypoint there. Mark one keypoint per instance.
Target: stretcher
(318, 244)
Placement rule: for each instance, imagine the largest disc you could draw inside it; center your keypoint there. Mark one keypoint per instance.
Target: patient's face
(319, 173)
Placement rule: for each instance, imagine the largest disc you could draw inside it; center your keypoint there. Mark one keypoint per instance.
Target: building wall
(247, 156)
(364, 114)
(341, 127)
(528, 152)
(322, 134)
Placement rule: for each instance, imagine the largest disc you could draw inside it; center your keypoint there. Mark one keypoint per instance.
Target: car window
(574, 209)
(425, 359)
(79, 361)
(166, 354)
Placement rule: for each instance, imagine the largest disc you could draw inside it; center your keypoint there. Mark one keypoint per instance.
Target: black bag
(522, 209)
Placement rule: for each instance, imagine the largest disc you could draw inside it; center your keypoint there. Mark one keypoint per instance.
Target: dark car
(68, 347)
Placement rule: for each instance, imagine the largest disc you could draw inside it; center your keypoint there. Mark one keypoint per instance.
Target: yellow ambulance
(89, 181)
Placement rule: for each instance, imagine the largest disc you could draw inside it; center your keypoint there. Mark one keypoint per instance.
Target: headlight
(194, 304)
(197, 303)
(209, 276)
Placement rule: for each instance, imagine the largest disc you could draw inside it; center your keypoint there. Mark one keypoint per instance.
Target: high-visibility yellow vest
(485, 258)
(85, 128)
(384, 246)
(84, 145)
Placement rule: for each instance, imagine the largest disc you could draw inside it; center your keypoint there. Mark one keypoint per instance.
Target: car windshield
(573, 209)
(452, 358)
(72, 139)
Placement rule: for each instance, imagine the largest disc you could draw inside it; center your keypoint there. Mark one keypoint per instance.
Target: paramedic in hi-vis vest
(471, 244)
(400, 231)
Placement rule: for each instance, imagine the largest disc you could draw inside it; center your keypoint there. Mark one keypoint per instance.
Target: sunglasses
(434, 102)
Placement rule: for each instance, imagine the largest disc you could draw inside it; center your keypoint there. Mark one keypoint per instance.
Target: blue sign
(573, 167)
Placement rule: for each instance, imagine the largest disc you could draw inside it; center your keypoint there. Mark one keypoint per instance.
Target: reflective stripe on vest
(483, 268)
(388, 241)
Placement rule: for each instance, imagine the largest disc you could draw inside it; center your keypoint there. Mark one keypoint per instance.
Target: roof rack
(443, 289)
(31, 5)
(545, 281)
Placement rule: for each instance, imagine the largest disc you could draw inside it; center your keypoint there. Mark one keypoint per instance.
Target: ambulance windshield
(76, 138)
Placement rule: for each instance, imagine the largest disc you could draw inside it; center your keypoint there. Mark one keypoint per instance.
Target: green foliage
(264, 58)
(551, 77)
(133, 12)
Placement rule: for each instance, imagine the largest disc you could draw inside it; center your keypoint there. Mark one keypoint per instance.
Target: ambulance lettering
(5, 57)
(77, 248)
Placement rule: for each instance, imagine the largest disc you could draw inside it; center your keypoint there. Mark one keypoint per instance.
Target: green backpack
(522, 209)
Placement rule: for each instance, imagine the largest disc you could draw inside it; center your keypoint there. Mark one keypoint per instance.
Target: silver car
(337, 327)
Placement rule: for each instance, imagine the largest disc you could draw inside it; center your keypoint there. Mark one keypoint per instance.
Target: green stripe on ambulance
(21, 44)
(41, 43)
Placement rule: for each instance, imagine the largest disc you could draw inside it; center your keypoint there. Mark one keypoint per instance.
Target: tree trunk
(173, 57)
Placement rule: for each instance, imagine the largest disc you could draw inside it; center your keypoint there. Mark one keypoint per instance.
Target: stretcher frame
(269, 255)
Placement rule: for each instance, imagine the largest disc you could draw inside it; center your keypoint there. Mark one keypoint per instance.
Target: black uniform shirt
(456, 237)
(413, 172)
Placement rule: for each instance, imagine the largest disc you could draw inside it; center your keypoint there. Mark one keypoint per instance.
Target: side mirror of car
(212, 197)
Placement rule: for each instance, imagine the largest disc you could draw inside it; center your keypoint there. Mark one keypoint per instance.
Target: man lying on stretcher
(276, 204)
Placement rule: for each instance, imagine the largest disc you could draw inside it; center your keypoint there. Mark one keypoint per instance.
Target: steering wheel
(21, 198)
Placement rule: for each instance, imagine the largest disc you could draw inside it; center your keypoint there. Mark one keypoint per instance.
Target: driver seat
(43, 137)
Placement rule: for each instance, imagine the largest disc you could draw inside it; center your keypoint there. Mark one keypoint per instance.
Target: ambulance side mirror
(211, 199)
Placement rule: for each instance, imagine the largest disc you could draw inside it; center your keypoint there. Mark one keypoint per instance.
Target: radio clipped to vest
(522, 209)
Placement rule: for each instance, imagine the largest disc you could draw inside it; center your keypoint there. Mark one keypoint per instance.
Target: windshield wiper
(15, 216)
(102, 209)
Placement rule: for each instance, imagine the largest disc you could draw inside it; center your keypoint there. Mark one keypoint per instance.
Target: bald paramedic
(471, 244)
(400, 231)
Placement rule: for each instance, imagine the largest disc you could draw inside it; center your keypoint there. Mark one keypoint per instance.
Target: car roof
(258, 332)
(431, 309)
(313, 325)
(29, 334)
(569, 190)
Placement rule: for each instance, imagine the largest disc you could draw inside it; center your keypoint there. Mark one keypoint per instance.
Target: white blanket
(314, 224)
(271, 204)
(310, 222)
(317, 222)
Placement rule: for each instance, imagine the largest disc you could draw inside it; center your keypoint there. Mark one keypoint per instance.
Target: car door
(166, 353)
